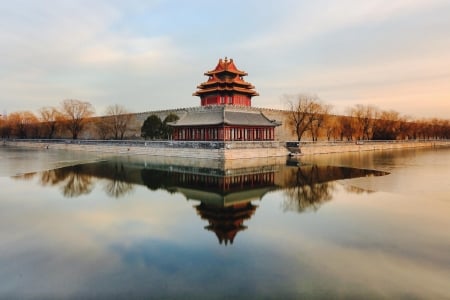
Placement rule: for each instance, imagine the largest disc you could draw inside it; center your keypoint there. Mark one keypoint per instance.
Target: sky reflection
(360, 239)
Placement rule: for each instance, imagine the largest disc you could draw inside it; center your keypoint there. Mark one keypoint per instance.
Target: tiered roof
(226, 222)
(226, 77)
(223, 115)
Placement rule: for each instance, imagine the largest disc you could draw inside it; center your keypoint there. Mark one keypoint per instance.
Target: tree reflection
(304, 189)
(77, 185)
(79, 179)
(225, 196)
(73, 181)
(52, 177)
(308, 187)
(118, 186)
(307, 197)
(154, 179)
(25, 176)
(357, 190)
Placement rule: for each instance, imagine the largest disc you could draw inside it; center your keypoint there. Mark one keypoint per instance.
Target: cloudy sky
(151, 55)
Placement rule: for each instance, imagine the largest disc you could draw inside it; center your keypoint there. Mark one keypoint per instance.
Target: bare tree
(103, 127)
(363, 118)
(319, 120)
(118, 120)
(347, 128)
(405, 128)
(445, 129)
(332, 127)
(23, 123)
(5, 127)
(386, 125)
(75, 113)
(303, 111)
(50, 118)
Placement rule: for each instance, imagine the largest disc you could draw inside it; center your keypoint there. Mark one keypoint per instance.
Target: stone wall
(282, 132)
(326, 148)
(206, 150)
(217, 150)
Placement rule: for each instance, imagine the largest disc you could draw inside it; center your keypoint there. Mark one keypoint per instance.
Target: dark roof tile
(218, 115)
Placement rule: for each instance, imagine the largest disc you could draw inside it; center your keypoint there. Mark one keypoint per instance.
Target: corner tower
(226, 86)
(225, 113)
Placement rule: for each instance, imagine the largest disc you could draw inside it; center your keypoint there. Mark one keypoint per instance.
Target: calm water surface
(363, 225)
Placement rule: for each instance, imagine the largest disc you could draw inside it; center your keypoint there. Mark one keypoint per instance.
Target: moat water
(369, 225)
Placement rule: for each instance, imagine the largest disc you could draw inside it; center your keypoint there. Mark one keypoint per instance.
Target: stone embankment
(338, 147)
(191, 149)
(217, 149)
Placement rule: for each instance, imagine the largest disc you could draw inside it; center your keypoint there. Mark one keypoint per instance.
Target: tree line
(68, 119)
(71, 117)
(309, 117)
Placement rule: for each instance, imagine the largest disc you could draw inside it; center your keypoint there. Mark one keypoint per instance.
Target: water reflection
(225, 195)
(226, 221)
(72, 180)
(156, 245)
(118, 186)
(307, 187)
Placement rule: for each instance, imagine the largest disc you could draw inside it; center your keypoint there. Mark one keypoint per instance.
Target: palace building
(224, 114)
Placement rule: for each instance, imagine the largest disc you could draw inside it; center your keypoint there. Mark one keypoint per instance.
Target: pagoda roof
(226, 222)
(223, 115)
(226, 77)
(224, 199)
(203, 90)
(226, 80)
(226, 66)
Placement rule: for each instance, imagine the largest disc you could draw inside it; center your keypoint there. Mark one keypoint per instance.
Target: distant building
(224, 114)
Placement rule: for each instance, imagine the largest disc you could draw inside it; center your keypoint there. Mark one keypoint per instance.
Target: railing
(161, 143)
(221, 144)
(365, 142)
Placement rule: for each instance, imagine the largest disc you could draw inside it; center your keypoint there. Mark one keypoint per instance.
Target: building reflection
(226, 196)
(226, 221)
